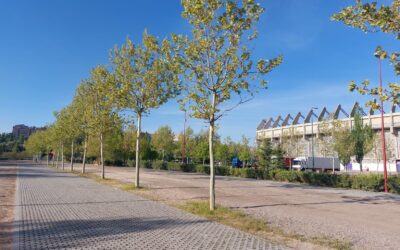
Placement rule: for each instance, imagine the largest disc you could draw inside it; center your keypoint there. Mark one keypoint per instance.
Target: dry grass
(7, 196)
(252, 225)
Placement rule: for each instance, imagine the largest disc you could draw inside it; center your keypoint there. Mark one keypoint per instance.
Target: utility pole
(312, 136)
(377, 55)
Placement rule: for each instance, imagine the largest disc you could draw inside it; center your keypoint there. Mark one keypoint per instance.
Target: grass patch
(111, 182)
(252, 225)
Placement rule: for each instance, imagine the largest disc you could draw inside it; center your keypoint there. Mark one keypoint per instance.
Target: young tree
(290, 143)
(277, 159)
(36, 145)
(163, 141)
(201, 147)
(369, 17)
(82, 106)
(222, 153)
(343, 142)
(60, 136)
(244, 151)
(362, 136)
(264, 154)
(189, 144)
(101, 116)
(146, 78)
(69, 128)
(217, 64)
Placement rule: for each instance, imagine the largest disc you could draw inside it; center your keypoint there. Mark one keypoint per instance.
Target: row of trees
(206, 69)
(210, 72)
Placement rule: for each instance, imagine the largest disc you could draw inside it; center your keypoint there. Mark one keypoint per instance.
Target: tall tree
(362, 136)
(146, 78)
(217, 64)
(369, 17)
(163, 141)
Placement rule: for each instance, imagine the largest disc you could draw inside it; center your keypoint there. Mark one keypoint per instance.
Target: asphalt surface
(56, 210)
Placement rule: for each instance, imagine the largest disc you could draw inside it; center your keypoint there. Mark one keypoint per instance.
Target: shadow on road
(81, 233)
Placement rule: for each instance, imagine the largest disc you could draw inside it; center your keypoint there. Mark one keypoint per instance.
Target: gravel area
(366, 219)
(57, 210)
(7, 198)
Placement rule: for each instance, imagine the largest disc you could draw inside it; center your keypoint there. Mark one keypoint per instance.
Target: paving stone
(62, 211)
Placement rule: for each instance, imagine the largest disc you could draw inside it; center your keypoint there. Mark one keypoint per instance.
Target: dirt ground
(366, 219)
(7, 199)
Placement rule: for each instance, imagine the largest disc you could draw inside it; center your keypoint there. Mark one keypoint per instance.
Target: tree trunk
(84, 156)
(211, 152)
(62, 156)
(212, 176)
(72, 156)
(137, 149)
(47, 160)
(101, 156)
(57, 159)
(53, 159)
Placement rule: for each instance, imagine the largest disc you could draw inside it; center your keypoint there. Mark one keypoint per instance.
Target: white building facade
(310, 138)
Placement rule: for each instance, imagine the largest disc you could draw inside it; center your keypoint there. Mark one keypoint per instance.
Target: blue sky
(47, 47)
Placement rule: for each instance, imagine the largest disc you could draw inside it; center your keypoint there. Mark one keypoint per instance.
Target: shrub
(368, 182)
(394, 184)
(284, 175)
(160, 165)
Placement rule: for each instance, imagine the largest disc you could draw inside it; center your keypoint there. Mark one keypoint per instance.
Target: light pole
(312, 135)
(377, 55)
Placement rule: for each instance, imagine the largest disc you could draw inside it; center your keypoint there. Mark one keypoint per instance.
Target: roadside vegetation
(11, 147)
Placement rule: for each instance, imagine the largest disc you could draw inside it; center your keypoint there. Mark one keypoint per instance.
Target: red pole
(383, 128)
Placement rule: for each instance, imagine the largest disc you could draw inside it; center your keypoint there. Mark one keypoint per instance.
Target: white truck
(321, 164)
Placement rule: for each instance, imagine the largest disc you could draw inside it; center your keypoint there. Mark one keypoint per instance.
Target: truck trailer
(316, 163)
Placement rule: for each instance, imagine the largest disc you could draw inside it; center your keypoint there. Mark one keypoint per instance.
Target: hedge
(368, 182)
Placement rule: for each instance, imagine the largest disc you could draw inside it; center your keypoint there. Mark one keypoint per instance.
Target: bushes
(367, 182)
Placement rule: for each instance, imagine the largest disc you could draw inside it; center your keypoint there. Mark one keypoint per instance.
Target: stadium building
(306, 133)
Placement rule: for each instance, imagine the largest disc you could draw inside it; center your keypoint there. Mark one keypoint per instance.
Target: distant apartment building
(23, 130)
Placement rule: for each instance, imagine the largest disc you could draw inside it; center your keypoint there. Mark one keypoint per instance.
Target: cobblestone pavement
(60, 211)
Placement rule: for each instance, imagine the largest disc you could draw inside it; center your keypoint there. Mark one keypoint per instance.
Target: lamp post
(377, 55)
(312, 135)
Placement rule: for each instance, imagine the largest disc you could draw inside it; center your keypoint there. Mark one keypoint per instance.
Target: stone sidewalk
(61, 211)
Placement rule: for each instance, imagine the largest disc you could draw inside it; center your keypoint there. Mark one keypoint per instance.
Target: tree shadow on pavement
(84, 233)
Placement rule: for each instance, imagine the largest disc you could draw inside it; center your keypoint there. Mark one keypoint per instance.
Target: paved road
(368, 220)
(58, 210)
